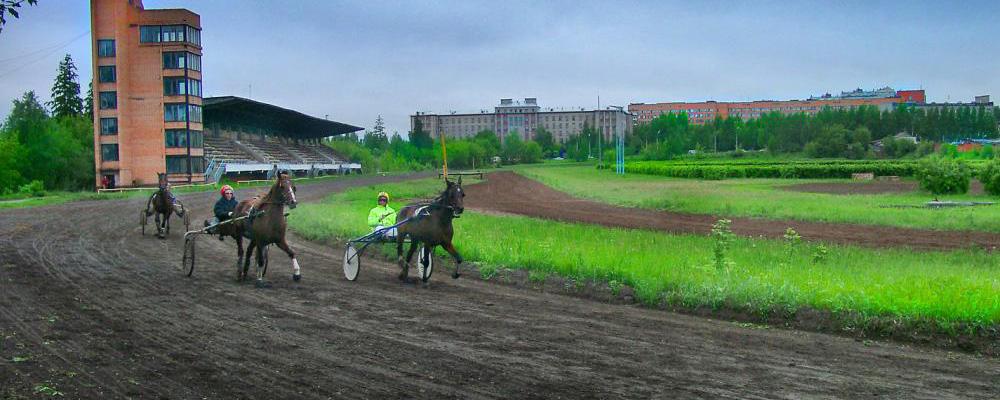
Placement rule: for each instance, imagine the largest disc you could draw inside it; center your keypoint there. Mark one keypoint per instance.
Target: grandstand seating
(224, 150)
(271, 152)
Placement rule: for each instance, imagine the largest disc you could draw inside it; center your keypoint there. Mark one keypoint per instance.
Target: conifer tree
(66, 91)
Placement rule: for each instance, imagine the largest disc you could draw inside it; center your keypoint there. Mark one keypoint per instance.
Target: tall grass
(943, 289)
(765, 198)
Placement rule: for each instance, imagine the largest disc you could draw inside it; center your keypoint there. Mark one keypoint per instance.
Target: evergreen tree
(66, 91)
(419, 137)
(88, 103)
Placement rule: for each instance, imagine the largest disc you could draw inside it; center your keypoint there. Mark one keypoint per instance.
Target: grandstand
(247, 139)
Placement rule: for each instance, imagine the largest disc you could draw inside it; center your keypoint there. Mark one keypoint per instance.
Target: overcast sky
(355, 60)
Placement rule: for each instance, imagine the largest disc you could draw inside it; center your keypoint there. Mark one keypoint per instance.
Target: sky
(355, 60)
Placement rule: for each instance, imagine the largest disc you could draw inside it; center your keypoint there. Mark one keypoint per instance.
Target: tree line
(49, 147)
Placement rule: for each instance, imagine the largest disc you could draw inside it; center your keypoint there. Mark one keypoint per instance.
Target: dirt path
(512, 193)
(94, 310)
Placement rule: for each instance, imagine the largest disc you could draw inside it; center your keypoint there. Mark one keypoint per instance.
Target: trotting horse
(267, 225)
(163, 205)
(430, 223)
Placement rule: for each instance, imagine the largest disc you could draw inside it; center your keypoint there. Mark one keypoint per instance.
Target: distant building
(702, 112)
(147, 93)
(525, 117)
(980, 101)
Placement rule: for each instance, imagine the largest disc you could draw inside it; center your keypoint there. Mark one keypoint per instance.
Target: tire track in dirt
(508, 192)
(379, 338)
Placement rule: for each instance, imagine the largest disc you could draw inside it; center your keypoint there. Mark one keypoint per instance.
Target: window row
(175, 86)
(106, 48)
(109, 126)
(109, 152)
(181, 60)
(169, 33)
(179, 164)
(108, 100)
(179, 138)
(179, 112)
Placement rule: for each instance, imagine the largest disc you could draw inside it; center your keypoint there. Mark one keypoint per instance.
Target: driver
(382, 215)
(224, 207)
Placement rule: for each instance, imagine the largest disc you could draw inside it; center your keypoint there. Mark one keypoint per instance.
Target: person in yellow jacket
(382, 215)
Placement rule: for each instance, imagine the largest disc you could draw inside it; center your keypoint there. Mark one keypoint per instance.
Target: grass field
(764, 198)
(943, 291)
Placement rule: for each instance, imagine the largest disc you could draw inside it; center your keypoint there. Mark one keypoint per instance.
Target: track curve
(91, 308)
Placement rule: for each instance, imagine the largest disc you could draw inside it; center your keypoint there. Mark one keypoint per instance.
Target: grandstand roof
(232, 110)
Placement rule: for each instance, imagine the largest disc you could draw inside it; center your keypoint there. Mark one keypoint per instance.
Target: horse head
(161, 180)
(284, 191)
(453, 196)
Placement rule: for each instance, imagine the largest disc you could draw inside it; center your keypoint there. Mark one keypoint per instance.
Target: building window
(106, 73)
(106, 48)
(174, 86)
(109, 126)
(194, 86)
(178, 164)
(109, 100)
(195, 111)
(178, 138)
(109, 152)
(172, 33)
(193, 35)
(181, 59)
(149, 34)
(174, 112)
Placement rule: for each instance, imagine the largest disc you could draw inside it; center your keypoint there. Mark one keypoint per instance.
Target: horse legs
(406, 262)
(296, 274)
(458, 258)
(239, 261)
(246, 258)
(260, 266)
(159, 227)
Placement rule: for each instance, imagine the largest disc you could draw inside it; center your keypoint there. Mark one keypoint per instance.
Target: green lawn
(942, 291)
(764, 198)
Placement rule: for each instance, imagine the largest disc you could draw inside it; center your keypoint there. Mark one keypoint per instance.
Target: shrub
(34, 188)
(940, 175)
(989, 175)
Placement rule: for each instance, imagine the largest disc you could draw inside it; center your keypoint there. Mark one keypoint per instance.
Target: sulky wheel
(425, 263)
(352, 262)
(143, 218)
(187, 263)
(187, 221)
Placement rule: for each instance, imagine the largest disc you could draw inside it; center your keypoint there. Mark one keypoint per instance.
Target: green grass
(764, 198)
(943, 291)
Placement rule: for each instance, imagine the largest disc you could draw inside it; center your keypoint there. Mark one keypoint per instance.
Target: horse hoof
(455, 275)
(297, 277)
(260, 284)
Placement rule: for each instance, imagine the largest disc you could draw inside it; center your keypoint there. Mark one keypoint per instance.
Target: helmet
(224, 189)
(383, 194)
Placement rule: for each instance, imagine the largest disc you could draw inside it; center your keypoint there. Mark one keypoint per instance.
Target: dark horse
(162, 204)
(267, 225)
(430, 224)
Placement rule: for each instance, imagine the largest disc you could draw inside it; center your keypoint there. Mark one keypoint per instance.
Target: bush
(989, 175)
(940, 175)
(34, 188)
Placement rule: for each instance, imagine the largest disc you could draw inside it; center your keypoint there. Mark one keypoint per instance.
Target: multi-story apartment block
(525, 118)
(706, 111)
(147, 93)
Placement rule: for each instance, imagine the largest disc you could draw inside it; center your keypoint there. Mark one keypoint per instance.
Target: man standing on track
(382, 215)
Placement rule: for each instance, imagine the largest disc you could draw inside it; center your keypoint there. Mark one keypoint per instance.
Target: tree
(88, 103)
(419, 137)
(66, 91)
(10, 7)
(376, 139)
(544, 139)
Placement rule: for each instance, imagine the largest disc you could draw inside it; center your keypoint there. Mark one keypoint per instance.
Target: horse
(162, 204)
(430, 224)
(266, 225)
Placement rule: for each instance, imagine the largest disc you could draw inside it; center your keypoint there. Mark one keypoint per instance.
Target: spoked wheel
(425, 263)
(187, 263)
(187, 221)
(352, 262)
(143, 219)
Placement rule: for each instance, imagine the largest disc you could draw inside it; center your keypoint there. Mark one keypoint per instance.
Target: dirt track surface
(872, 187)
(94, 310)
(508, 192)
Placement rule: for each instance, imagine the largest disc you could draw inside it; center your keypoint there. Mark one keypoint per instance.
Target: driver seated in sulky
(224, 207)
(382, 216)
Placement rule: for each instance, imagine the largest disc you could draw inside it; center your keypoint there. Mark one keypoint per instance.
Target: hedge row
(788, 170)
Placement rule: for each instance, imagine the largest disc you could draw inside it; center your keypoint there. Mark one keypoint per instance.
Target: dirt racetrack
(91, 309)
(512, 193)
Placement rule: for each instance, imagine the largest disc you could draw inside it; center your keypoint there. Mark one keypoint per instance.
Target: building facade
(525, 118)
(147, 93)
(706, 111)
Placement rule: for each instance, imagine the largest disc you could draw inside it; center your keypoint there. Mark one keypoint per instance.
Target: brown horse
(163, 204)
(267, 225)
(430, 224)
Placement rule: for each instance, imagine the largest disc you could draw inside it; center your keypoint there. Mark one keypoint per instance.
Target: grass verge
(865, 291)
(765, 198)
